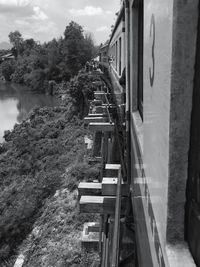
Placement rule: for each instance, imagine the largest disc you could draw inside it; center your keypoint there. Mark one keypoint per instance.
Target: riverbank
(16, 101)
(41, 163)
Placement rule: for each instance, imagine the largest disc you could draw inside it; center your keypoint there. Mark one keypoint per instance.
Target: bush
(32, 170)
(8, 68)
(35, 79)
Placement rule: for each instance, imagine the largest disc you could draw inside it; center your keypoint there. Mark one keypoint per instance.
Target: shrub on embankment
(55, 240)
(81, 89)
(33, 164)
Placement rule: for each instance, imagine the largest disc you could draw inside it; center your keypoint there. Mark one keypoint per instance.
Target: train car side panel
(117, 55)
(157, 78)
(160, 131)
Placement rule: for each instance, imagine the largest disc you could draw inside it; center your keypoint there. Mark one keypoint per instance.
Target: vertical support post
(100, 236)
(106, 146)
(116, 234)
(105, 242)
(109, 150)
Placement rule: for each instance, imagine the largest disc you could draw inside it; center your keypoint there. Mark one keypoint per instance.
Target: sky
(45, 19)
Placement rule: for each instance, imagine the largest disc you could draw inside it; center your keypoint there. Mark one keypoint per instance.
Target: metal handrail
(107, 105)
(105, 245)
(120, 152)
(106, 99)
(110, 255)
(116, 234)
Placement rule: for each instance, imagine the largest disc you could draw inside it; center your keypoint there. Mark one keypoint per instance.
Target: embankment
(41, 163)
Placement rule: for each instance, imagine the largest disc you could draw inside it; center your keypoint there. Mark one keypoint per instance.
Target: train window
(116, 55)
(120, 55)
(137, 51)
(140, 59)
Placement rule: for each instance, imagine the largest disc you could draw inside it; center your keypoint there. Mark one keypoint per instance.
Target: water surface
(16, 101)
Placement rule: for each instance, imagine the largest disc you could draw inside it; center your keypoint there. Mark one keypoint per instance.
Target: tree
(28, 45)
(54, 58)
(73, 31)
(73, 47)
(7, 69)
(76, 49)
(36, 79)
(89, 48)
(17, 41)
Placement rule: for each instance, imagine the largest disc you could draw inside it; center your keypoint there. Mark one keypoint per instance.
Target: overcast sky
(46, 19)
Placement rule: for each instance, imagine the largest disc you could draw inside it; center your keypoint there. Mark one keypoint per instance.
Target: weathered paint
(169, 49)
(157, 43)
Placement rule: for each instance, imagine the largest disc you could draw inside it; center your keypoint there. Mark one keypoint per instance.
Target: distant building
(7, 57)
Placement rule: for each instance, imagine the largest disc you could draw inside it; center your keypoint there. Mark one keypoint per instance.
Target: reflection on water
(16, 101)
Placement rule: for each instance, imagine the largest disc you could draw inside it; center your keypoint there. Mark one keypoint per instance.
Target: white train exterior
(157, 43)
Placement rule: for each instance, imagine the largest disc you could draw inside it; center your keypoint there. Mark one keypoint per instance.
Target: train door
(192, 217)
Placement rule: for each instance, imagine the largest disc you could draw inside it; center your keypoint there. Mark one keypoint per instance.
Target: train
(155, 48)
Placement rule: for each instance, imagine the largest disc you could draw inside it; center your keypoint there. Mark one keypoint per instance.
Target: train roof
(105, 44)
(120, 16)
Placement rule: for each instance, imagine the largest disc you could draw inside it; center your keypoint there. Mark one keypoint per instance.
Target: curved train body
(157, 45)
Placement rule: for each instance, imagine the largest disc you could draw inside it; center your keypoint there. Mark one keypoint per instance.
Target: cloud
(28, 17)
(17, 11)
(21, 9)
(103, 29)
(50, 19)
(15, 2)
(22, 22)
(39, 14)
(87, 11)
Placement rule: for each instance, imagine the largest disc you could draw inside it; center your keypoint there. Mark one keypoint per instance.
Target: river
(16, 101)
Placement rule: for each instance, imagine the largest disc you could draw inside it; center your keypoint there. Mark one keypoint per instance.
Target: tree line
(36, 64)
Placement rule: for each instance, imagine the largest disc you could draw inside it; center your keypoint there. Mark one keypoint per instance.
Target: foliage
(35, 79)
(57, 60)
(19, 70)
(77, 48)
(36, 156)
(7, 69)
(56, 235)
(17, 41)
(81, 89)
(41, 163)
(73, 47)
(80, 171)
(90, 49)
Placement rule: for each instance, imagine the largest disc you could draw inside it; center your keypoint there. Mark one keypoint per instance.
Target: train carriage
(157, 44)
